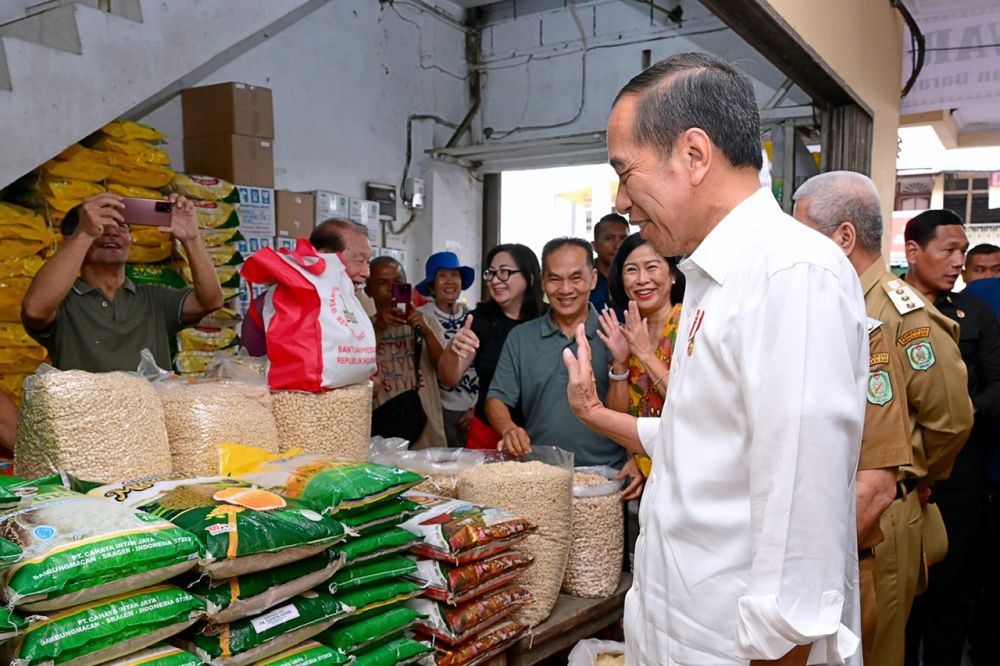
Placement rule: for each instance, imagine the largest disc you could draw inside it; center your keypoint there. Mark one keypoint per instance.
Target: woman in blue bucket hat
(445, 280)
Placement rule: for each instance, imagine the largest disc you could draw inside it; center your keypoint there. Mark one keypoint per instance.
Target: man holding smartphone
(82, 308)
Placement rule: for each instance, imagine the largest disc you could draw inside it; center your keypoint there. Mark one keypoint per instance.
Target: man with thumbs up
(445, 280)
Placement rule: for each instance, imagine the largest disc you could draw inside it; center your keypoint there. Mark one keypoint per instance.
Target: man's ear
(846, 236)
(697, 154)
(593, 278)
(912, 250)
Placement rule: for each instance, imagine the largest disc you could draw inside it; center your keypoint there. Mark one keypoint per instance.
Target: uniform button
(104, 303)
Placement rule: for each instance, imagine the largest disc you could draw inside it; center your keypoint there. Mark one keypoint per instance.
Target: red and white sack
(318, 335)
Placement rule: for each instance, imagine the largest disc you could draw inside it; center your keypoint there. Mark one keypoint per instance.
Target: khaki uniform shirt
(934, 375)
(885, 441)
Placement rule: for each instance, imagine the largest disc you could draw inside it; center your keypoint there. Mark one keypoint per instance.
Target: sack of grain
(252, 639)
(594, 652)
(232, 599)
(457, 585)
(595, 556)
(459, 532)
(160, 654)
(538, 488)
(374, 518)
(441, 466)
(328, 484)
(95, 426)
(396, 652)
(353, 637)
(107, 629)
(374, 571)
(308, 653)
(241, 529)
(479, 649)
(369, 600)
(203, 415)
(454, 626)
(336, 423)
(79, 548)
(377, 544)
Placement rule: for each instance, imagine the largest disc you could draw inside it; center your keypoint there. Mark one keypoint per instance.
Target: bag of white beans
(595, 556)
(539, 488)
(440, 466)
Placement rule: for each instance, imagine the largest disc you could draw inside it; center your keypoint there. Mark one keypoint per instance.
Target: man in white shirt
(747, 549)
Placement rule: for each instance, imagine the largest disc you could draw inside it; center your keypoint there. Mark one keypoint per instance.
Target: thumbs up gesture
(465, 343)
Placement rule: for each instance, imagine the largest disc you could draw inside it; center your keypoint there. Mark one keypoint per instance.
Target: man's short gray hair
(844, 196)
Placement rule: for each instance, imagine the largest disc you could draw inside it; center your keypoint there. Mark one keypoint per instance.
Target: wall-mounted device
(413, 193)
(385, 195)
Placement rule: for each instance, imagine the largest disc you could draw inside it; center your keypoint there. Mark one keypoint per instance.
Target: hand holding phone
(147, 212)
(402, 292)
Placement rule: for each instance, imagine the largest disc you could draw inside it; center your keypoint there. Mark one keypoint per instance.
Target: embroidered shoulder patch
(921, 355)
(913, 334)
(879, 388)
(878, 359)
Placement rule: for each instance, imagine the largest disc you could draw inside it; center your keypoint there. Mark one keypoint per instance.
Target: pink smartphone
(401, 294)
(146, 212)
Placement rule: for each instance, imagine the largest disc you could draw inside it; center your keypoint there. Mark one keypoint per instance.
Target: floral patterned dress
(643, 398)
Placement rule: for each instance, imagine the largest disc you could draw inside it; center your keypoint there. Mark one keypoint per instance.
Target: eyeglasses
(503, 274)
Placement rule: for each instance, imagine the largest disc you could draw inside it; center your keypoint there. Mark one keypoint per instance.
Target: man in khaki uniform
(931, 378)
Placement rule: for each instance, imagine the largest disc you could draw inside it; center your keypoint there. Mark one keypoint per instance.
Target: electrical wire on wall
(420, 35)
(918, 45)
(409, 158)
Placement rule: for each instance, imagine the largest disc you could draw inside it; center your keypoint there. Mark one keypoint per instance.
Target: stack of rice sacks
(364, 575)
(25, 240)
(470, 572)
(216, 203)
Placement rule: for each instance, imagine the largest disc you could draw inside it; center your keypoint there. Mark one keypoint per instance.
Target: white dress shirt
(747, 544)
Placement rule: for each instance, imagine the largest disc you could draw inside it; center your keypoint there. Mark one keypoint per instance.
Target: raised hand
(581, 390)
(465, 343)
(100, 211)
(636, 331)
(611, 335)
(183, 218)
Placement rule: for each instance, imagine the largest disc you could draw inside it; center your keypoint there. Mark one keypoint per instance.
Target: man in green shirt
(531, 372)
(82, 308)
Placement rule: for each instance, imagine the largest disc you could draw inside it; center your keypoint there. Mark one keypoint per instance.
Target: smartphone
(401, 294)
(146, 212)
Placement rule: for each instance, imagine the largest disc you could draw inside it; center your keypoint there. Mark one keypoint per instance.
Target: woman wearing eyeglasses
(514, 280)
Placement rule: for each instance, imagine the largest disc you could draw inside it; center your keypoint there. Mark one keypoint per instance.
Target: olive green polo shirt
(95, 334)
(531, 373)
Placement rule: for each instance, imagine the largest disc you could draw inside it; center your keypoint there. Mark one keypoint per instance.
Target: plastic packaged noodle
(134, 191)
(130, 130)
(327, 484)
(371, 519)
(151, 176)
(205, 188)
(482, 648)
(241, 529)
(457, 585)
(131, 151)
(160, 654)
(456, 625)
(308, 653)
(396, 652)
(374, 571)
(21, 360)
(144, 254)
(216, 237)
(228, 275)
(251, 639)
(351, 637)
(232, 599)
(378, 544)
(199, 362)
(79, 548)
(460, 532)
(216, 215)
(205, 339)
(148, 236)
(12, 291)
(107, 629)
(367, 598)
(15, 267)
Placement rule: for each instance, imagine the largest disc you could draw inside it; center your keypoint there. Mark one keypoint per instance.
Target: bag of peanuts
(328, 485)
(595, 556)
(539, 488)
(334, 423)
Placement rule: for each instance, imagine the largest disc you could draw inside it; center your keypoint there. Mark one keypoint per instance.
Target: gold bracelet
(662, 377)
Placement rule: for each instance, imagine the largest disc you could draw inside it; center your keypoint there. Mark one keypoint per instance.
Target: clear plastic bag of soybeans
(539, 488)
(441, 466)
(595, 557)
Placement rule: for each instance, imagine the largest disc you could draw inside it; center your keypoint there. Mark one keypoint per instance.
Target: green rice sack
(394, 653)
(377, 544)
(9, 553)
(236, 598)
(160, 654)
(309, 653)
(366, 599)
(372, 519)
(241, 529)
(251, 639)
(329, 485)
(107, 629)
(11, 625)
(373, 571)
(359, 636)
(79, 548)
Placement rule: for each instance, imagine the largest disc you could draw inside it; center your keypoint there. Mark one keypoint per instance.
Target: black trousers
(940, 619)
(985, 634)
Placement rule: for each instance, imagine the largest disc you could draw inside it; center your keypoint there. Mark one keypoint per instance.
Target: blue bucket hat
(449, 261)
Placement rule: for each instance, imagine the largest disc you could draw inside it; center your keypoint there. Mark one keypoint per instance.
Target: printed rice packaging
(374, 571)
(307, 653)
(396, 652)
(377, 544)
(160, 654)
(371, 519)
(351, 637)
(366, 599)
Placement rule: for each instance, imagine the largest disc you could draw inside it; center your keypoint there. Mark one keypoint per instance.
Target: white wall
(11, 10)
(344, 81)
(533, 60)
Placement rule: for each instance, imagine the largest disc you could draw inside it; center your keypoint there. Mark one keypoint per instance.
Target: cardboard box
(366, 213)
(228, 108)
(232, 157)
(294, 213)
(251, 244)
(330, 204)
(284, 242)
(256, 212)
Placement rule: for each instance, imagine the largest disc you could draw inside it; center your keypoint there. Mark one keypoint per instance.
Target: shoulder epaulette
(902, 296)
(873, 325)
